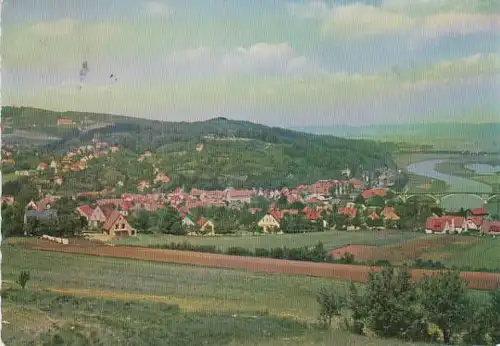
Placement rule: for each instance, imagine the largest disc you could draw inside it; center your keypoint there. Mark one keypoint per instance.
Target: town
(349, 204)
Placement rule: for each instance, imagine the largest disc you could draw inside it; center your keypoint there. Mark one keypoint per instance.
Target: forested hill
(239, 152)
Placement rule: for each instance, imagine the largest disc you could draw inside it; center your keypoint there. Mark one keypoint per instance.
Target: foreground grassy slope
(112, 301)
(331, 240)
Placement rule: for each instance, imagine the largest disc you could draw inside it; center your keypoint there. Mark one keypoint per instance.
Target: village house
(85, 211)
(207, 227)
(42, 166)
(7, 200)
(162, 178)
(58, 181)
(444, 224)
(269, 223)
(117, 226)
(143, 185)
(241, 196)
(490, 227)
(187, 222)
(64, 121)
(99, 215)
(389, 214)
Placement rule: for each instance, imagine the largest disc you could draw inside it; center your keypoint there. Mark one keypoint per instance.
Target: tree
(330, 305)
(390, 306)
(444, 298)
(376, 201)
(141, 220)
(12, 220)
(359, 200)
(23, 278)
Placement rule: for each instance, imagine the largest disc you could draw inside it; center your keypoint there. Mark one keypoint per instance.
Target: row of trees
(392, 305)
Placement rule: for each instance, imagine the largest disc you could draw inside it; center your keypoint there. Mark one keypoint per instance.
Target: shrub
(261, 252)
(277, 253)
(23, 279)
(347, 258)
(330, 306)
(238, 251)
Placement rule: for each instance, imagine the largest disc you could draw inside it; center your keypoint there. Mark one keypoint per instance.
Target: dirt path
(482, 281)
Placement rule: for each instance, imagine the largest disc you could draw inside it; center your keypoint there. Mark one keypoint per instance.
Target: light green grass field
(331, 239)
(127, 302)
(485, 253)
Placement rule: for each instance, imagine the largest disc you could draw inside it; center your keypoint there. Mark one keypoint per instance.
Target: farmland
(331, 240)
(159, 303)
(479, 254)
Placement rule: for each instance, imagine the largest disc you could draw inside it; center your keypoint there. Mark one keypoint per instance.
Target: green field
(483, 254)
(131, 302)
(8, 177)
(331, 240)
(491, 179)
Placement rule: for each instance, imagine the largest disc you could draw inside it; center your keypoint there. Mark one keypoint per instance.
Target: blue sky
(285, 63)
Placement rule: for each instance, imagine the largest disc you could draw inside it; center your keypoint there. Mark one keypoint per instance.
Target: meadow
(76, 299)
(330, 240)
(480, 254)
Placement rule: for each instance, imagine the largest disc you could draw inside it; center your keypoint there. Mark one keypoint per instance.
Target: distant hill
(467, 136)
(238, 153)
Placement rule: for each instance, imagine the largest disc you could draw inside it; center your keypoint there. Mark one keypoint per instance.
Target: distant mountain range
(470, 136)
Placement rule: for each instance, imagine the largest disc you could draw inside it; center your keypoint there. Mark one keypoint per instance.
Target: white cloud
(260, 58)
(420, 18)
(459, 23)
(365, 20)
(157, 9)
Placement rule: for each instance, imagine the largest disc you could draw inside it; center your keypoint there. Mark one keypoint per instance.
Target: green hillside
(442, 136)
(236, 153)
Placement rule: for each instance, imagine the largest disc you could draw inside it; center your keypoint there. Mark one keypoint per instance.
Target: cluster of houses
(477, 220)
(110, 214)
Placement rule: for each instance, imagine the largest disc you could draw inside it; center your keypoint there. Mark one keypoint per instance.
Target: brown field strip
(356, 273)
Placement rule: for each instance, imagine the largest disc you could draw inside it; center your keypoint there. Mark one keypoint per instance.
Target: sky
(281, 63)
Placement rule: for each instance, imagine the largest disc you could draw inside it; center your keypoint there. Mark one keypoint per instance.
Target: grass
(491, 179)
(482, 254)
(404, 159)
(417, 183)
(8, 177)
(331, 240)
(76, 300)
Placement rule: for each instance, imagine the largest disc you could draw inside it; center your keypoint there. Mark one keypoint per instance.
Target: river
(455, 184)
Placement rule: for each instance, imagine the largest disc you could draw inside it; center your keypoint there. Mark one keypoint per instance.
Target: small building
(42, 166)
(207, 227)
(187, 222)
(85, 211)
(117, 226)
(269, 223)
(64, 121)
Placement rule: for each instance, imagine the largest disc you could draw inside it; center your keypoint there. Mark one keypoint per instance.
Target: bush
(238, 251)
(23, 279)
(261, 252)
(347, 258)
(330, 306)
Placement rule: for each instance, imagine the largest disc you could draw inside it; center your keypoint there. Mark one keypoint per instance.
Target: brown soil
(486, 281)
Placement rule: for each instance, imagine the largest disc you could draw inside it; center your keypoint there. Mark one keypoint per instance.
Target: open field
(356, 273)
(121, 301)
(404, 159)
(491, 179)
(418, 183)
(482, 253)
(331, 240)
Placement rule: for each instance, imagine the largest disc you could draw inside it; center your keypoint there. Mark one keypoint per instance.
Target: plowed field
(484, 281)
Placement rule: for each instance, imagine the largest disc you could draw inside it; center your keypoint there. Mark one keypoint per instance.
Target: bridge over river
(462, 192)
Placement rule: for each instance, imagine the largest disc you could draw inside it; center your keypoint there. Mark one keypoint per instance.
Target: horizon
(289, 64)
